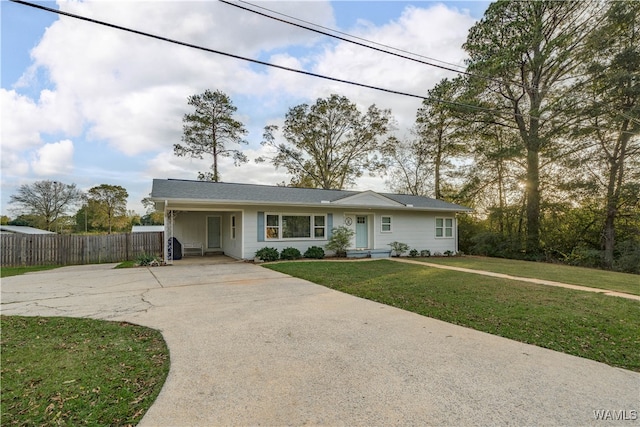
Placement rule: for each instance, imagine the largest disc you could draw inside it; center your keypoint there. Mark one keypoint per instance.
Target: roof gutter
(321, 205)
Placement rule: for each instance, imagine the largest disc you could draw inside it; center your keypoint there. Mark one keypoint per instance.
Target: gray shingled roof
(176, 189)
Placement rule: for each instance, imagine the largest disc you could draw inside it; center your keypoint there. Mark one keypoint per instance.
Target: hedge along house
(239, 219)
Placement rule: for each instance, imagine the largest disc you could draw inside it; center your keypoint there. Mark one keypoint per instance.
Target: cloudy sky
(86, 104)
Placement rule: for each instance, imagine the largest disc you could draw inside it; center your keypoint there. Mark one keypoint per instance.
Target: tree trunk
(438, 162)
(616, 172)
(501, 202)
(533, 202)
(216, 178)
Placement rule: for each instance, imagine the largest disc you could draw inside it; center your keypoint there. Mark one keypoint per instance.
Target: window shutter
(329, 225)
(260, 226)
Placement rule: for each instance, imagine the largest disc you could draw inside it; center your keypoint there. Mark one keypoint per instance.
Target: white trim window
(444, 228)
(272, 227)
(385, 224)
(295, 226)
(319, 226)
(233, 227)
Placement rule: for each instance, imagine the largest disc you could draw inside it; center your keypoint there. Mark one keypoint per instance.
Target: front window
(444, 227)
(386, 224)
(296, 227)
(292, 226)
(318, 226)
(273, 227)
(233, 226)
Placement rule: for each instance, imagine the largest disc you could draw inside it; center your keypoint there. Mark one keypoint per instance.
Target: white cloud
(132, 90)
(24, 120)
(128, 92)
(20, 118)
(13, 165)
(436, 32)
(54, 159)
(167, 165)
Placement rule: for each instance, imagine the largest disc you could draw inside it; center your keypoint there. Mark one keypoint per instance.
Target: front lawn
(590, 277)
(15, 271)
(69, 371)
(585, 324)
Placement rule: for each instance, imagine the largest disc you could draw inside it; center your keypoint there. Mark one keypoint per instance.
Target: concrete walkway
(523, 279)
(250, 346)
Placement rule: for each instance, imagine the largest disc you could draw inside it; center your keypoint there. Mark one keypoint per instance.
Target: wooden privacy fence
(68, 249)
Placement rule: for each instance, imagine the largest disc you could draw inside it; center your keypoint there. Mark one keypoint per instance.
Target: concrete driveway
(250, 346)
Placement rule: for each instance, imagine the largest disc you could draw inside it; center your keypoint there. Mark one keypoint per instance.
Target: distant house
(239, 219)
(22, 229)
(147, 228)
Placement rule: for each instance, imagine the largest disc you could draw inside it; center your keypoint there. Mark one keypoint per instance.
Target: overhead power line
(231, 55)
(255, 61)
(193, 46)
(368, 46)
(333, 30)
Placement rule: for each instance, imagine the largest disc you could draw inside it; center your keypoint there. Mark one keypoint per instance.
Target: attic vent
(325, 201)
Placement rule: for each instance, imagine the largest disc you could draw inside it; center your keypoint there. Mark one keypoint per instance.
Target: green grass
(126, 264)
(593, 278)
(69, 371)
(590, 325)
(15, 271)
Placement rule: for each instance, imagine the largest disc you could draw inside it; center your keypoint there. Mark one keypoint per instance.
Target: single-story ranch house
(239, 219)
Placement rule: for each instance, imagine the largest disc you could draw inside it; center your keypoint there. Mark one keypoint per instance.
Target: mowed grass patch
(590, 325)
(69, 371)
(15, 271)
(590, 277)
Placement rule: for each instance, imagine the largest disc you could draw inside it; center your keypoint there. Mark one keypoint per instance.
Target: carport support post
(168, 234)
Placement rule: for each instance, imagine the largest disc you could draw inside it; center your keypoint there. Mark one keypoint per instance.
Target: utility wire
(351, 35)
(308, 73)
(231, 55)
(193, 46)
(371, 42)
(466, 73)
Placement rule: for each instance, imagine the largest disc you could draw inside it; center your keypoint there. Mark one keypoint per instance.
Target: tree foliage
(609, 93)
(549, 121)
(527, 52)
(152, 216)
(329, 144)
(46, 200)
(108, 205)
(438, 128)
(340, 240)
(210, 130)
(410, 170)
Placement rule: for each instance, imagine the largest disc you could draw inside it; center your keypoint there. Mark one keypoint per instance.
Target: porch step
(369, 253)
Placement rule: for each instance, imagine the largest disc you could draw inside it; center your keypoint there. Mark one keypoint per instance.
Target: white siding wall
(416, 229)
(192, 227)
(232, 247)
(411, 229)
(251, 231)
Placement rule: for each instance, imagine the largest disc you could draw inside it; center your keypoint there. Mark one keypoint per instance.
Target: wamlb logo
(621, 415)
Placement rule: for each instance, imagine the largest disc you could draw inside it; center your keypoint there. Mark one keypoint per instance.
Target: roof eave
(226, 202)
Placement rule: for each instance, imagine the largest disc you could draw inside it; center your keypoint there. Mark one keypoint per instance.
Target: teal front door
(362, 232)
(213, 232)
